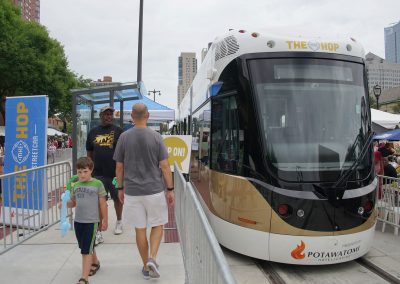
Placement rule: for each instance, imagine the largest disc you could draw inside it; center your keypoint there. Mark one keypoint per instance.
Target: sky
(100, 36)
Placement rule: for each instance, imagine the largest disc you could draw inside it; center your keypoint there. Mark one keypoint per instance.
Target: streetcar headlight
(300, 213)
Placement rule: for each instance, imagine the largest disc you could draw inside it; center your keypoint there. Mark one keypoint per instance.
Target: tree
(396, 108)
(372, 102)
(32, 63)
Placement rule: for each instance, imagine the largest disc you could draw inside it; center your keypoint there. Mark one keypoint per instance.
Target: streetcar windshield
(313, 113)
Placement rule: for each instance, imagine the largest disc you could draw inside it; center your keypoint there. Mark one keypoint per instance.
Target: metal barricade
(35, 211)
(388, 202)
(202, 256)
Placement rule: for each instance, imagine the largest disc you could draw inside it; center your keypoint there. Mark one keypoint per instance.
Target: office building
(382, 73)
(30, 9)
(392, 43)
(107, 81)
(187, 68)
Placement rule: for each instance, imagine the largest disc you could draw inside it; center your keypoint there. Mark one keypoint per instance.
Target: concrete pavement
(48, 258)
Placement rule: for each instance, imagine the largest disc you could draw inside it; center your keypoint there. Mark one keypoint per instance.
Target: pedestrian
(89, 197)
(51, 150)
(143, 173)
(100, 146)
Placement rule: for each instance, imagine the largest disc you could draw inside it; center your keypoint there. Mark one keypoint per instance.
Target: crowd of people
(54, 143)
(387, 163)
(142, 193)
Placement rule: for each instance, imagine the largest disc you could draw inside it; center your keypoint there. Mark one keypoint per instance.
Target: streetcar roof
(236, 43)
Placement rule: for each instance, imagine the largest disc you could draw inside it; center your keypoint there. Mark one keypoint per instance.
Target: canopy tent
(393, 135)
(385, 119)
(50, 132)
(158, 112)
(55, 132)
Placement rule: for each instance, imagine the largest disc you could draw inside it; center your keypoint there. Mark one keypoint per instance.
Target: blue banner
(25, 148)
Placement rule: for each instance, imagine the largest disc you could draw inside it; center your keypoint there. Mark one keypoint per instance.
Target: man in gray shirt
(143, 173)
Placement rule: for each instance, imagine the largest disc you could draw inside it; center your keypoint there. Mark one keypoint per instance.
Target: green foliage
(32, 63)
(396, 108)
(372, 102)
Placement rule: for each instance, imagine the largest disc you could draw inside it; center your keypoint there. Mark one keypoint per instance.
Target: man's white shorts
(145, 211)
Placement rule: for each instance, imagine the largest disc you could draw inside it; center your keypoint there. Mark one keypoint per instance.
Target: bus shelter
(85, 110)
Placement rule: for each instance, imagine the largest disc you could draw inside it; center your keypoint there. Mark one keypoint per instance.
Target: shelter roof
(101, 94)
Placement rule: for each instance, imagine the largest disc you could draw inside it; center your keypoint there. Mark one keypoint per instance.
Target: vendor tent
(50, 132)
(55, 132)
(158, 112)
(392, 135)
(384, 119)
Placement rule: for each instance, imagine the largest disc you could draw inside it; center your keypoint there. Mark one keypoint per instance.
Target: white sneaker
(99, 238)
(118, 228)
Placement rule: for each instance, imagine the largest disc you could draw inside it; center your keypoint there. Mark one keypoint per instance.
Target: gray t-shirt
(87, 194)
(141, 150)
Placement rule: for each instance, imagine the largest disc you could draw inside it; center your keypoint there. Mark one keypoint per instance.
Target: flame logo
(297, 252)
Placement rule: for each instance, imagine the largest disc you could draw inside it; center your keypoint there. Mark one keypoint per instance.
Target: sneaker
(153, 268)
(99, 238)
(145, 274)
(118, 228)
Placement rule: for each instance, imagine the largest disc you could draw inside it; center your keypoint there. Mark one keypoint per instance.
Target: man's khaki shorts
(145, 211)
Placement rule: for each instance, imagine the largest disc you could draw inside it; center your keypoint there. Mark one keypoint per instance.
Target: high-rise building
(187, 68)
(30, 9)
(392, 43)
(382, 73)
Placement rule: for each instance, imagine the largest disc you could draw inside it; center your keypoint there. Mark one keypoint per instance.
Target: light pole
(154, 94)
(377, 92)
(140, 42)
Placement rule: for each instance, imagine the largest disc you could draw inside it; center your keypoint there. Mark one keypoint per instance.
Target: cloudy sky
(100, 36)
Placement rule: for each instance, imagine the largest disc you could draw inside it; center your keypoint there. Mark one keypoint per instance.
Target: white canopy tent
(50, 132)
(385, 119)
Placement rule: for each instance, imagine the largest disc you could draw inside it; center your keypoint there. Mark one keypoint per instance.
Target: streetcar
(284, 167)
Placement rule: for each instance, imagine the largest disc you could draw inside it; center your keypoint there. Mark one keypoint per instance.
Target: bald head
(140, 112)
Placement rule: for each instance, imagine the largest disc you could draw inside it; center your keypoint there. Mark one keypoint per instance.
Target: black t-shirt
(389, 171)
(102, 141)
(385, 152)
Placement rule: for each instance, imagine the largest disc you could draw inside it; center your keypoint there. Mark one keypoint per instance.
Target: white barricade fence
(25, 214)
(388, 203)
(202, 256)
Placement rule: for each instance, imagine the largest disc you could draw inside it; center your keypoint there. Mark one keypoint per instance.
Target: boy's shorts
(107, 182)
(145, 211)
(85, 234)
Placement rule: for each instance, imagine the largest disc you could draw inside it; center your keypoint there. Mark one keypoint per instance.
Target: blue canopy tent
(392, 135)
(158, 112)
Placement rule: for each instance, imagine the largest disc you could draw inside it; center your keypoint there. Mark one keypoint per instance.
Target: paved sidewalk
(385, 252)
(48, 258)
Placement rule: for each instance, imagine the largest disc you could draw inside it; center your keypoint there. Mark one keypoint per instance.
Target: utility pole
(139, 63)
(154, 94)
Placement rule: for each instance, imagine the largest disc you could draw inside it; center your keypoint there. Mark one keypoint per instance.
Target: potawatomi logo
(20, 152)
(297, 252)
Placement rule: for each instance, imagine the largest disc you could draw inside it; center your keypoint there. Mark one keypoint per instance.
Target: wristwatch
(119, 188)
(170, 188)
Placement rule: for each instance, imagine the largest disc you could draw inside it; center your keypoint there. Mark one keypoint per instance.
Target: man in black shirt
(388, 170)
(100, 146)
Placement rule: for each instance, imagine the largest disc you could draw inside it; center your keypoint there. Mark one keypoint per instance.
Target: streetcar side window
(227, 138)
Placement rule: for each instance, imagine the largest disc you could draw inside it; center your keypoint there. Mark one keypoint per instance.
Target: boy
(88, 195)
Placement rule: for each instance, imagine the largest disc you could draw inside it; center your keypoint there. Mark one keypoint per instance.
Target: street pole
(139, 63)
(154, 94)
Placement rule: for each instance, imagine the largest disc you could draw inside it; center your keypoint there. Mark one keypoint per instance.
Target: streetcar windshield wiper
(345, 174)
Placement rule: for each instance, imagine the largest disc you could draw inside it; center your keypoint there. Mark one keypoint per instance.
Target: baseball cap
(103, 109)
